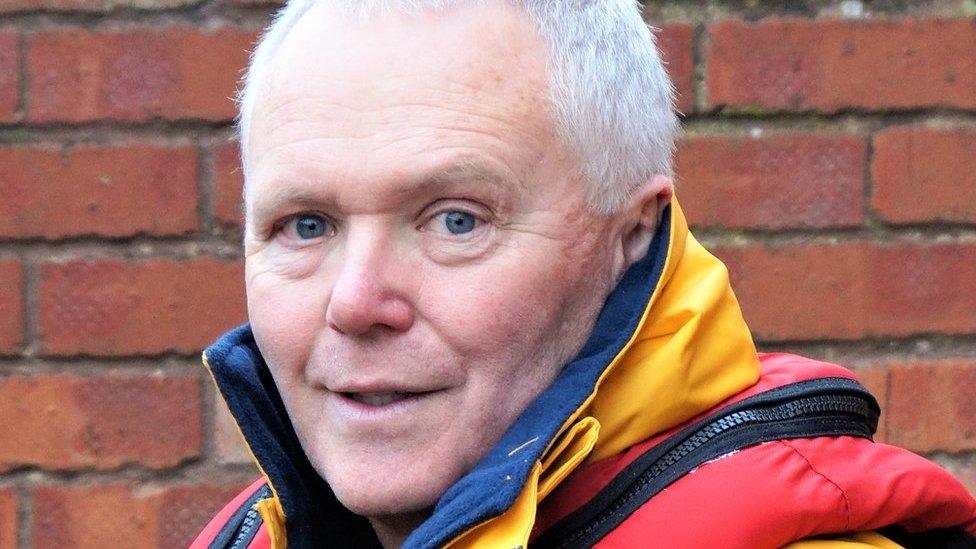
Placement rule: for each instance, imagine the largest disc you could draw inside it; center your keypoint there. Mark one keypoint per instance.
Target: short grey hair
(612, 98)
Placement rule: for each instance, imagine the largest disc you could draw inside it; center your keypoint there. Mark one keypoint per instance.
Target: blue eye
(309, 226)
(458, 222)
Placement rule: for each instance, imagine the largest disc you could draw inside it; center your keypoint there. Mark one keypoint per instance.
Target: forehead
(481, 45)
(342, 94)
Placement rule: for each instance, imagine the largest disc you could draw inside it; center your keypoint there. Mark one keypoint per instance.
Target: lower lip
(353, 411)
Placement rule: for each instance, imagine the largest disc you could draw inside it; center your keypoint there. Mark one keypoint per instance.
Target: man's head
(439, 199)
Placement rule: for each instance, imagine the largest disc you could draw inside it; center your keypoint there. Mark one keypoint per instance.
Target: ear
(638, 221)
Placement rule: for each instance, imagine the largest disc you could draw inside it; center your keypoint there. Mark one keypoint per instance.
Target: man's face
(420, 258)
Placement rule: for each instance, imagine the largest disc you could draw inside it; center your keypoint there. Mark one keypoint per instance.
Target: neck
(392, 530)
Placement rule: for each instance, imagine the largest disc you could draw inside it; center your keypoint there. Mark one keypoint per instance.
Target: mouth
(383, 399)
(379, 399)
(387, 409)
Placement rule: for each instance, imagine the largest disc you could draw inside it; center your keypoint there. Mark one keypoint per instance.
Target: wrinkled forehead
(362, 76)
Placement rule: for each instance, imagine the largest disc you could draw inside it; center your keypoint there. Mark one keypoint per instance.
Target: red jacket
(776, 492)
(763, 496)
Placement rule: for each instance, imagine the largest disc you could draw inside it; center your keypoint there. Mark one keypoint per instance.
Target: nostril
(335, 327)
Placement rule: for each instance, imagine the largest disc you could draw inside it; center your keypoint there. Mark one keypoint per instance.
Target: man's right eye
(308, 226)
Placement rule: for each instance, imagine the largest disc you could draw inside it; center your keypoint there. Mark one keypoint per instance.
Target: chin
(379, 491)
(385, 498)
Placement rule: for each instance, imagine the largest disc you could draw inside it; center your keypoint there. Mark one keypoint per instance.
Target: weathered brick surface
(111, 191)
(11, 6)
(676, 43)
(875, 379)
(172, 73)
(8, 518)
(855, 290)
(925, 174)
(935, 408)
(11, 306)
(9, 74)
(228, 185)
(69, 422)
(228, 444)
(773, 181)
(117, 307)
(830, 65)
(125, 514)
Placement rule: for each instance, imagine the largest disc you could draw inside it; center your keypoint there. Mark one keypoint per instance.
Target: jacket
(669, 350)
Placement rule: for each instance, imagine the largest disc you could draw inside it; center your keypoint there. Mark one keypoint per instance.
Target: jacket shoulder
(779, 492)
(238, 525)
(784, 489)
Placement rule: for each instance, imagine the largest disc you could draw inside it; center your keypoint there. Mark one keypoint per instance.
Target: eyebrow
(287, 197)
(284, 196)
(467, 171)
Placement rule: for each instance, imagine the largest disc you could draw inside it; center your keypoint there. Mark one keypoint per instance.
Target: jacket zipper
(247, 530)
(813, 406)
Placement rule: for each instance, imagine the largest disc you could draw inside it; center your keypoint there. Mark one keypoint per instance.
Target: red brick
(875, 379)
(11, 306)
(933, 406)
(229, 445)
(105, 190)
(228, 441)
(9, 75)
(228, 186)
(116, 307)
(126, 515)
(171, 72)
(830, 65)
(8, 518)
(676, 43)
(855, 290)
(775, 181)
(88, 5)
(925, 174)
(104, 422)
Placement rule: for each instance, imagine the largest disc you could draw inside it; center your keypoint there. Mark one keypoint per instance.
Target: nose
(365, 297)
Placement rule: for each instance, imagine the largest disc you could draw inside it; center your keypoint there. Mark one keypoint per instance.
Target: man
(477, 317)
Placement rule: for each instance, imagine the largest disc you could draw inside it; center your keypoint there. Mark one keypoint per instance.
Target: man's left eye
(457, 222)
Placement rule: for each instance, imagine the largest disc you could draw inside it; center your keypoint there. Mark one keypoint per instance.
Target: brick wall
(829, 158)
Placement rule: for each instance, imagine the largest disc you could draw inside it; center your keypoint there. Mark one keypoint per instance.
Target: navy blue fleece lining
(314, 516)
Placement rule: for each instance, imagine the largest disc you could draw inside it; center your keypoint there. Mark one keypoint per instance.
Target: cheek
(479, 317)
(285, 314)
(507, 311)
